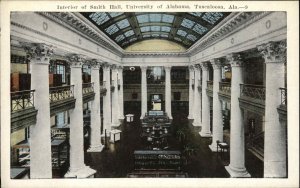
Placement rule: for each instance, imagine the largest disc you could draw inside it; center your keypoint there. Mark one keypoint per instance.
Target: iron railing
(210, 85)
(61, 93)
(87, 88)
(21, 100)
(283, 92)
(253, 91)
(225, 87)
(102, 85)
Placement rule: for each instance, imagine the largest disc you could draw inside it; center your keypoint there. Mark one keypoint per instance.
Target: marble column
(197, 99)
(217, 106)
(205, 130)
(107, 100)
(96, 145)
(275, 151)
(115, 98)
(236, 167)
(191, 93)
(144, 91)
(168, 97)
(121, 98)
(77, 167)
(40, 134)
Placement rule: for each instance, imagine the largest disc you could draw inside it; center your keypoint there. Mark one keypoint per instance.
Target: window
(60, 69)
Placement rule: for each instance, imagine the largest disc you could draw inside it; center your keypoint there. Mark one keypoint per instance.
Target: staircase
(256, 145)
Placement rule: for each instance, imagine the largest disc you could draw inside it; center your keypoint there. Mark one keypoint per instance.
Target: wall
(17, 137)
(155, 45)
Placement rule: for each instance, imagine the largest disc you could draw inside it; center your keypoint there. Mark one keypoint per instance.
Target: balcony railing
(102, 85)
(253, 91)
(283, 92)
(61, 93)
(193, 83)
(112, 85)
(225, 87)
(199, 85)
(21, 100)
(210, 85)
(119, 84)
(87, 88)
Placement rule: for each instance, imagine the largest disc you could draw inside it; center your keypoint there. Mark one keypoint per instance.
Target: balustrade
(210, 85)
(253, 91)
(21, 100)
(87, 88)
(225, 87)
(283, 92)
(61, 93)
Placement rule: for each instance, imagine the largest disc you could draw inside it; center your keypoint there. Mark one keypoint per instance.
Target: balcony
(88, 92)
(210, 87)
(112, 85)
(199, 85)
(103, 89)
(23, 113)
(252, 97)
(282, 108)
(193, 83)
(225, 91)
(61, 98)
(119, 84)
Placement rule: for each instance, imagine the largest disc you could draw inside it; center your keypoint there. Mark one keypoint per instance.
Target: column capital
(273, 52)
(216, 63)
(106, 65)
(120, 67)
(143, 68)
(191, 67)
(167, 67)
(39, 52)
(197, 67)
(76, 60)
(204, 66)
(95, 63)
(235, 59)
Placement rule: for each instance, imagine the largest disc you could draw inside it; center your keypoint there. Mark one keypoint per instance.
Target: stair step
(259, 154)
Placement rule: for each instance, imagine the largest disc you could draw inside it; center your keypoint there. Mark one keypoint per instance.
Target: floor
(117, 159)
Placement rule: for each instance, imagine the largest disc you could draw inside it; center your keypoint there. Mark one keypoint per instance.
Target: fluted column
(107, 100)
(217, 106)
(191, 93)
(168, 92)
(121, 98)
(205, 131)
(275, 153)
(96, 145)
(77, 167)
(115, 98)
(197, 99)
(144, 91)
(236, 167)
(40, 138)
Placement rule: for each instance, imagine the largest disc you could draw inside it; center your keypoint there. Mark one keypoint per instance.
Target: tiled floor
(117, 160)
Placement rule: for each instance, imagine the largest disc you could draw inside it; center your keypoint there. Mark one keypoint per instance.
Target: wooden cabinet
(20, 81)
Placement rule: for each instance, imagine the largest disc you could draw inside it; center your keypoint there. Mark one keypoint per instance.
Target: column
(191, 93)
(236, 167)
(217, 106)
(40, 137)
(197, 99)
(115, 98)
(275, 132)
(205, 131)
(96, 145)
(77, 167)
(107, 100)
(168, 92)
(121, 98)
(144, 91)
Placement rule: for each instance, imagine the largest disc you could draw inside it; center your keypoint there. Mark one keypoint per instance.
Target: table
(115, 135)
(223, 146)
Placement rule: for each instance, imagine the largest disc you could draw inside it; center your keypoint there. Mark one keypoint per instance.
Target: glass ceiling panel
(126, 28)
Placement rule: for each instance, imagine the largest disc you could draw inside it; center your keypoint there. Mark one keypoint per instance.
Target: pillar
(275, 154)
(40, 133)
(107, 100)
(121, 93)
(168, 92)
(115, 98)
(217, 106)
(205, 130)
(197, 99)
(236, 167)
(96, 145)
(144, 91)
(191, 93)
(77, 167)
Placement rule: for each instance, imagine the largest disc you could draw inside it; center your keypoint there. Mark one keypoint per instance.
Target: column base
(121, 117)
(84, 172)
(237, 173)
(116, 124)
(98, 148)
(197, 124)
(213, 147)
(190, 117)
(206, 135)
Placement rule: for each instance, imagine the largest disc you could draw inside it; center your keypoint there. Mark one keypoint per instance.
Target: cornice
(154, 54)
(234, 23)
(77, 25)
